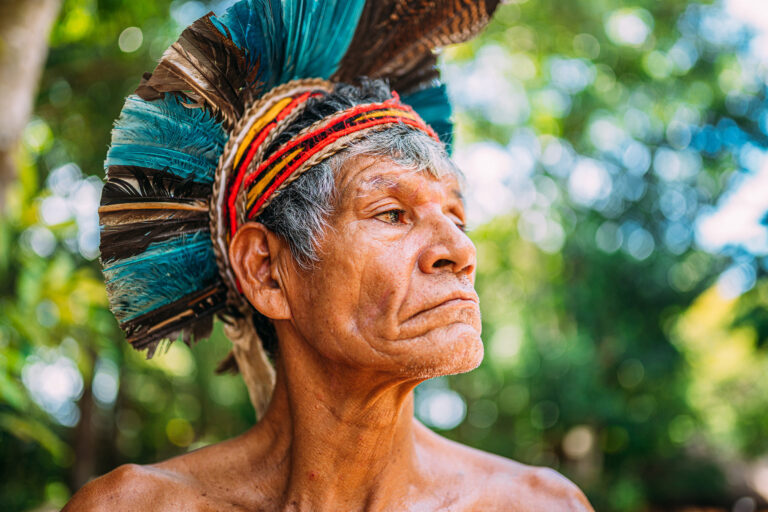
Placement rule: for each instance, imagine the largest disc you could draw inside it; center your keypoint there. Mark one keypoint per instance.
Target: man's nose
(448, 249)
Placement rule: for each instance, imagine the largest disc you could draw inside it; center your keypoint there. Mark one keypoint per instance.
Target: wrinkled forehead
(364, 173)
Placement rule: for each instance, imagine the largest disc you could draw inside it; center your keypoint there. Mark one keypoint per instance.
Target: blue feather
(175, 162)
(318, 33)
(433, 105)
(164, 273)
(164, 134)
(293, 38)
(256, 27)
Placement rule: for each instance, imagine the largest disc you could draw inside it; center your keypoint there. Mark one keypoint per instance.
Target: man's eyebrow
(377, 182)
(383, 182)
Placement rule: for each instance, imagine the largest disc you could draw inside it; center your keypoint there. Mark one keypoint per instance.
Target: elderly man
(369, 287)
(335, 248)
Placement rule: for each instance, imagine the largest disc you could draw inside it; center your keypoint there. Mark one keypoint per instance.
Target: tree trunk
(24, 29)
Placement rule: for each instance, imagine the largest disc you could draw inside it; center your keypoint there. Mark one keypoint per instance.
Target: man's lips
(455, 299)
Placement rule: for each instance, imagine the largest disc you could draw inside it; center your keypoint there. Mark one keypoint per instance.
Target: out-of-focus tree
(24, 28)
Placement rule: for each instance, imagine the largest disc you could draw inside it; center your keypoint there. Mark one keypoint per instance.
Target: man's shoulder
(534, 488)
(512, 485)
(505, 484)
(129, 487)
(198, 480)
(132, 487)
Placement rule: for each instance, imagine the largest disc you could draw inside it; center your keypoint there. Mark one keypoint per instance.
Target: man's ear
(253, 255)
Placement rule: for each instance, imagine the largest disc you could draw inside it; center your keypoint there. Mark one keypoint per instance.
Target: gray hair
(299, 215)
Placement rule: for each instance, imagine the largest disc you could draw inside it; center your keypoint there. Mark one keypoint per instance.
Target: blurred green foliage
(613, 353)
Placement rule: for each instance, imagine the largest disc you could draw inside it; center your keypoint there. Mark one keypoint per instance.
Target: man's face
(394, 288)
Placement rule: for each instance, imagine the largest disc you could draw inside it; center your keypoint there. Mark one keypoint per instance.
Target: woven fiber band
(278, 112)
(261, 117)
(289, 160)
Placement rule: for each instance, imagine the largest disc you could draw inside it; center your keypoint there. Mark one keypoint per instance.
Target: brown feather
(406, 33)
(128, 240)
(122, 218)
(423, 72)
(131, 183)
(190, 317)
(205, 66)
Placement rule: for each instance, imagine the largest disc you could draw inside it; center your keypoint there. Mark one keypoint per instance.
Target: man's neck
(344, 438)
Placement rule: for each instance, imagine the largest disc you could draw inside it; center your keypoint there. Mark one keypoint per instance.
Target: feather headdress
(187, 163)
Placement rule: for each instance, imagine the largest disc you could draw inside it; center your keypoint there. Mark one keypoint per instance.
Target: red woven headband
(260, 181)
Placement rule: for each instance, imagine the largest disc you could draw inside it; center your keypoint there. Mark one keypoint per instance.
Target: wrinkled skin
(390, 304)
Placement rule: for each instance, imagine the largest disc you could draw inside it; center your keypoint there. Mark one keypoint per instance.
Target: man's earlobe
(252, 253)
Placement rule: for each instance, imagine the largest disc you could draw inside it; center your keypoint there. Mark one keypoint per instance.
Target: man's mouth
(459, 299)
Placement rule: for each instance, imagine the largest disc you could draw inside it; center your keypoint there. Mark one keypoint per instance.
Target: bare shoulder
(127, 488)
(538, 488)
(504, 484)
(528, 488)
(159, 488)
(192, 482)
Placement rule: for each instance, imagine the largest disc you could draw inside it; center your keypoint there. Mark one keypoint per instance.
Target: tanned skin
(390, 304)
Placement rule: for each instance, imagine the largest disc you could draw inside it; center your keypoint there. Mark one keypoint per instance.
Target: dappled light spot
(483, 413)
(630, 27)
(180, 432)
(440, 407)
(630, 373)
(571, 75)
(578, 442)
(38, 137)
(176, 361)
(609, 237)
(638, 242)
(130, 39)
(505, 345)
(736, 280)
(106, 381)
(545, 414)
(55, 384)
(589, 182)
(738, 219)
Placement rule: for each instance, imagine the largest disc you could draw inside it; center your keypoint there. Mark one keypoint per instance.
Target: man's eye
(392, 216)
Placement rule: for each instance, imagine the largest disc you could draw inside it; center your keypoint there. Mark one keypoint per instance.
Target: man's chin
(467, 354)
(456, 348)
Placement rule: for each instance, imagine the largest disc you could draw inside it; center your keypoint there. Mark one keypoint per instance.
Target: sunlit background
(616, 156)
